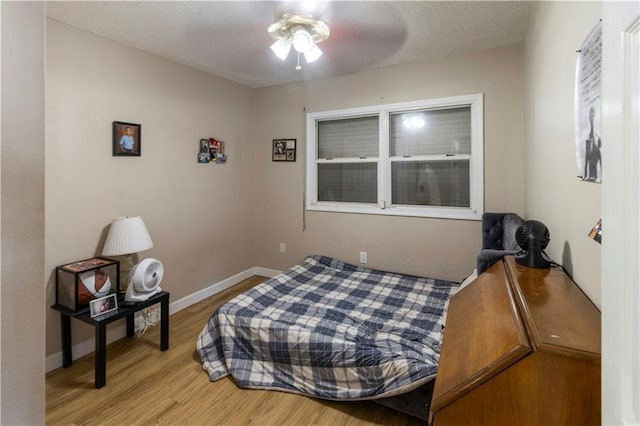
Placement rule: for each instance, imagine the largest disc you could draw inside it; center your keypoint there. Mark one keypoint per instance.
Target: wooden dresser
(521, 347)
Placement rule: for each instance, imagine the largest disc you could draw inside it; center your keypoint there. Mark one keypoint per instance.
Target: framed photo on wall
(284, 150)
(127, 139)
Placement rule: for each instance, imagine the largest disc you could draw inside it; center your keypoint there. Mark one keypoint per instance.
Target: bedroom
(205, 230)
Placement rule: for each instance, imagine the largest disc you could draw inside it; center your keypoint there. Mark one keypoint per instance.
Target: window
(413, 159)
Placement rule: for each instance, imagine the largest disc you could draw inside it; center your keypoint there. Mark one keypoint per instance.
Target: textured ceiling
(229, 38)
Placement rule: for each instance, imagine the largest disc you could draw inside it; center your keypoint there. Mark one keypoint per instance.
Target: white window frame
(383, 205)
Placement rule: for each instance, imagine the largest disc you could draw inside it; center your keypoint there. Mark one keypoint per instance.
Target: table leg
(101, 356)
(65, 329)
(131, 324)
(164, 323)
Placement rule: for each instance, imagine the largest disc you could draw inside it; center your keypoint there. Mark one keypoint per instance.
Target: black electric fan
(533, 237)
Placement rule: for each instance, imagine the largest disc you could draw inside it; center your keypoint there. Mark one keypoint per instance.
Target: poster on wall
(588, 107)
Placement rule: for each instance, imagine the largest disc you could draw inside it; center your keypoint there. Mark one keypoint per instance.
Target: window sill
(460, 213)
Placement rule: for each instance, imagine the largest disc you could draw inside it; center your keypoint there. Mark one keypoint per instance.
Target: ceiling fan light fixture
(302, 40)
(281, 48)
(312, 54)
(302, 31)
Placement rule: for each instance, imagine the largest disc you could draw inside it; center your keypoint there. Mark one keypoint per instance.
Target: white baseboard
(218, 287)
(83, 348)
(265, 272)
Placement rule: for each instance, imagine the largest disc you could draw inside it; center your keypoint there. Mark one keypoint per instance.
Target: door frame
(621, 214)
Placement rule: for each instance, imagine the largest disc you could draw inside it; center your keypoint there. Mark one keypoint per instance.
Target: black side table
(100, 324)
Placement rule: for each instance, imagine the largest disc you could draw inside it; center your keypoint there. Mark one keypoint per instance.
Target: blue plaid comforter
(331, 330)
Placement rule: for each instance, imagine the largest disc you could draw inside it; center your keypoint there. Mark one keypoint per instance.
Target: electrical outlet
(363, 257)
(283, 248)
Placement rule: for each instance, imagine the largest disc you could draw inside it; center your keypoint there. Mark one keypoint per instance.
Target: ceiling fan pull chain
(298, 67)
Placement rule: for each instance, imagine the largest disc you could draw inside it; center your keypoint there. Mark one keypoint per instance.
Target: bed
(332, 330)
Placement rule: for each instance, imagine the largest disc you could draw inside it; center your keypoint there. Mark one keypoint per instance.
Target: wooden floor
(147, 386)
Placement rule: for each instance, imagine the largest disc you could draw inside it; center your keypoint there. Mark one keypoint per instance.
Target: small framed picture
(204, 146)
(204, 157)
(103, 305)
(127, 139)
(284, 150)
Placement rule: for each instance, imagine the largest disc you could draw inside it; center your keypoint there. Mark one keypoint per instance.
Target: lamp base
(126, 265)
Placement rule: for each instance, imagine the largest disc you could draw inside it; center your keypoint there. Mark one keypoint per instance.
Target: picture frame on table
(284, 150)
(127, 139)
(103, 305)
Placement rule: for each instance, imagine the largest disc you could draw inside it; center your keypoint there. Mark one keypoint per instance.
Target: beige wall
(199, 215)
(435, 247)
(553, 194)
(22, 215)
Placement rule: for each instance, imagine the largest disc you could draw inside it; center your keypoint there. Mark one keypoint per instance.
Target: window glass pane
(351, 137)
(431, 132)
(348, 182)
(430, 183)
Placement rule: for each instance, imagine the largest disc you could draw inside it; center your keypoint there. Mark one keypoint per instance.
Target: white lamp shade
(313, 53)
(127, 235)
(281, 48)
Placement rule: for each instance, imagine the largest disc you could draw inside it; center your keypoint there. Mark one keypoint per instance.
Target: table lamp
(127, 236)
